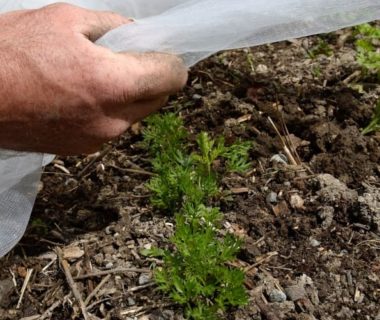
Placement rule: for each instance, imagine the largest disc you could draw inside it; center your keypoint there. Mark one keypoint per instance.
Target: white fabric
(191, 28)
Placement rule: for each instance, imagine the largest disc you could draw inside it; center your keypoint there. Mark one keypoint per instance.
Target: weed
(367, 46)
(322, 47)
(374, 125)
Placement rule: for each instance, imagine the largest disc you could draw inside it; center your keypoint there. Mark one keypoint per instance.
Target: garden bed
(309, 221)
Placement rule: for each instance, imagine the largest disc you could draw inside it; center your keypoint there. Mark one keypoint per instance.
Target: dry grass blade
(29, 273)
(66, 269)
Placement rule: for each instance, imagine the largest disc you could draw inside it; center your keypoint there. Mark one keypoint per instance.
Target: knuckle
(63, 11)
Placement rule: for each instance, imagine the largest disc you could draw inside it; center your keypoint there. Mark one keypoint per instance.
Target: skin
(60, 93)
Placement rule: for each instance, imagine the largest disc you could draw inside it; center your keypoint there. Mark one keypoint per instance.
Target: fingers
(100, 22)
(140, 110)
(92, 24)
(134, 77)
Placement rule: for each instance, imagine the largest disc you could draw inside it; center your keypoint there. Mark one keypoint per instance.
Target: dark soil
(310, 225)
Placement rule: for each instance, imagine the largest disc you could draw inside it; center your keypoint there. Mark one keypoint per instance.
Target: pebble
(6, 289)
(144, 279)
(167, 315)
(197, 96)
(131, 301)
(279, 158)
(277, 296)
(109, 265)
(271, 197)
(108, 249)
(295, 292)
(296, 202)
(314, 242)
(262, 69)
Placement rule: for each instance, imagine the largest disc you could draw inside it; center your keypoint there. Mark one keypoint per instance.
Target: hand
(60, 93)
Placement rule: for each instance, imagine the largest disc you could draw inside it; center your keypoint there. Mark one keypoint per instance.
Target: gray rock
(131, 301)
(327, 215)
(277, 296)
(271, 197)
(334, 192)
(314, 242)
(369, 206)
(295, 292)
(144, 278)
(6, 289)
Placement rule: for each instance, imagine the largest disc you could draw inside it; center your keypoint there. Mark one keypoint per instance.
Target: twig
(25, 284)
(130, 170)
(72, 284)
(138, 288)
(35, 317)
(261, 260)
(284, 145)
(117, 270)
(49, 312)
(93, 160)
(96, 290)
(136, 310)
(63, 169)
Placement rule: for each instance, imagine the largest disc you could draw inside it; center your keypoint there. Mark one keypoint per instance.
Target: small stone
(6, 289)
(167, 315)
(296, 202)
(109, 265)
(271, 197)
(144, 279)
(72, 253)
(277, 296)
(295, 292)
(131, 301)
(279, 158)
(327, 215)
(262, 69)
(108, 249)
(314, 242)
(197, 97)
(99, 258)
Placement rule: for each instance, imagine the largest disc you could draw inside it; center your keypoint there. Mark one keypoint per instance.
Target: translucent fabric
(193, 29)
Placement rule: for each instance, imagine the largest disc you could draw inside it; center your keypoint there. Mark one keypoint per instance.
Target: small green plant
(210, 150)
(237, 156)
(374, 125)
(322, 47)
(195, 272)
(368, 48)
(183, 176)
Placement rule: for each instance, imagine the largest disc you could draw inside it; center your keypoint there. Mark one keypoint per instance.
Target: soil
(309, 220)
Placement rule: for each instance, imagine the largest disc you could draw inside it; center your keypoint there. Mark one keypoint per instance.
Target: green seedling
(195, 275)
(374, 125)
(210, 150)
(164, 135)
(368, 48)
(237, 156)
(322, 47)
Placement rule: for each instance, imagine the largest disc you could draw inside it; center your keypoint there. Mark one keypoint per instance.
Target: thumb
(98, 23)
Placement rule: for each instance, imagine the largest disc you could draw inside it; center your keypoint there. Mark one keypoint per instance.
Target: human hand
(60, 93)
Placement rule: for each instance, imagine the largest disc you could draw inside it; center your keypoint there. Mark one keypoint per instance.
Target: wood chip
(239, 190)
(72, 253)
